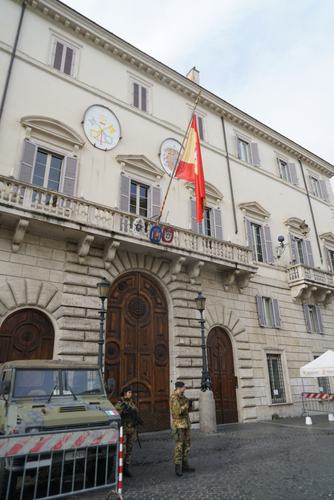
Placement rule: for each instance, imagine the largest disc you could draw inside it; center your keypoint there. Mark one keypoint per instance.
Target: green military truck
(59, 434)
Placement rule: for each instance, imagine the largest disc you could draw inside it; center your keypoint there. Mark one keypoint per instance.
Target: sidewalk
(284, 459)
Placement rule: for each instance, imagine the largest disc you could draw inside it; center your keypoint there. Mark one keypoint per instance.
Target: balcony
(26, 205)
(310, 284)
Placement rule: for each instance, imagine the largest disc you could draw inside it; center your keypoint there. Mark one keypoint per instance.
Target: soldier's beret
(179, 384)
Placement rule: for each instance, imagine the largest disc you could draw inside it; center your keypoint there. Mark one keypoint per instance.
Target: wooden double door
(224, 381)
(136, 350)
(26, 334)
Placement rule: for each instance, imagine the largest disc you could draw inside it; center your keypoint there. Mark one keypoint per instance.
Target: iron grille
(276, 378)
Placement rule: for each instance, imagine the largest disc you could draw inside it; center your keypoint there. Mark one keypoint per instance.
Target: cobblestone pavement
(262, 461)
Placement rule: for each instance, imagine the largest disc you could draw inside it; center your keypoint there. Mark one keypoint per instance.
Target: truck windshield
(29, 383)
(81, 382)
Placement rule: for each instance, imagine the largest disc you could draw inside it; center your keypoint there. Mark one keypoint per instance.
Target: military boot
(187, 468)
(178, 470)
(126, 471)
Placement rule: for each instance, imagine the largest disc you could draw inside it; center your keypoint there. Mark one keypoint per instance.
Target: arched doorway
(26, 334)
(137, 352)
(224, 382)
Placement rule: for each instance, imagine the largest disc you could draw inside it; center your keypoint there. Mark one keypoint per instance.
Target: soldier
(180, 406)
(130, 420)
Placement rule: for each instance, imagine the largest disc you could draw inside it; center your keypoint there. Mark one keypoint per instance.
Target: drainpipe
(230, 177)
(12, 57)
(311, 210)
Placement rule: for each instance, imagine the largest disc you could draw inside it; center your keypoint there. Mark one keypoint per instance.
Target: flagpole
(178, 156)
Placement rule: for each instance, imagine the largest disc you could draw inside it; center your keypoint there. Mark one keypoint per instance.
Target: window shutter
(136, 95)
(293, 173)
(70, 174)
(200, 127)
(308, 252)
(58, 55)
(268, 244)
(238, 147)
(323, 189)
(260, 311)
(250, 238)
(124, 203)
(329, 260)
(194, 224)
(294, 250)
(319, 319)
(307, 318)
(217, 223)
(143, 99)
(68, 61)
(155, 198)
(255, 153)
(276, 313)
(28, 161)
(310, 185)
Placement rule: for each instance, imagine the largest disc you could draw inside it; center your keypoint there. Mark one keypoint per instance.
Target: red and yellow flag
(190, 168)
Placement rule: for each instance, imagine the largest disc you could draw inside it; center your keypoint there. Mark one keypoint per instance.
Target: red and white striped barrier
(29, 444)
(319, 395)
(120, 463)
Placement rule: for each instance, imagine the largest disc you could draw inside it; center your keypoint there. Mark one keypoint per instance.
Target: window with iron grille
(276, 378)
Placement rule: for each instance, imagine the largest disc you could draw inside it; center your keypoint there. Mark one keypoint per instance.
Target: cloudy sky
(273, 59)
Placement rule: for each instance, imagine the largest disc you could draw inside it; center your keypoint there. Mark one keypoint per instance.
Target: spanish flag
(190, 168)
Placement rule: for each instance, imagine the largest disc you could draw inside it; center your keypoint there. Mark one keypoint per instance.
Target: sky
(274, 59)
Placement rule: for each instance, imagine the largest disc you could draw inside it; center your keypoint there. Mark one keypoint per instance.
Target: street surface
(264, 461)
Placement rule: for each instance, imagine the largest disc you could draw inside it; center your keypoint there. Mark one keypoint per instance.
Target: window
(315, 186)
(244, 150)
(139, 199)
(276, 378)
(212, 222)
(288, 171)
(323, 382)
(257, 237)
(47, 170)
(284, 169)
(330, 256)
(139, 96)
(313, 319)
(268, 312)
(301, 251)
(200, 126)
(63, 57)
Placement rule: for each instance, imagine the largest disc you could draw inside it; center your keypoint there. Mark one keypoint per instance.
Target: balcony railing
(33, 199)
(301, 273)
(310, 284)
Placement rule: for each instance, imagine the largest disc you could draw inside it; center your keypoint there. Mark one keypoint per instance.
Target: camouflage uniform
(129, 427)
(179, 406)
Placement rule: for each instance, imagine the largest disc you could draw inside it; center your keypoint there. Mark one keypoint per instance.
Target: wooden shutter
(200, 127)
(276, 313)
(155, 201)
(58, 55)
(238, 148)
(136, 95)
(268, 244)
(329, 260)
(68, 61)
(323, 189)
(307, 318)
(255, 153)
(310, 185)
(293, 173)
(124, 203)
(194, 224)
(217, 223)
(28, 161)
(143, 99)
(308, 253)
(250, 238)
(260, 311)
(319, 319)
(294, 250)
(70, 175)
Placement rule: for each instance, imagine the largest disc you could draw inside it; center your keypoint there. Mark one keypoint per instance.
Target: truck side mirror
(110, 386)
(4, 387)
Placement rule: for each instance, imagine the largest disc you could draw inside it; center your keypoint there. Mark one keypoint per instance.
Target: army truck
(59, 434)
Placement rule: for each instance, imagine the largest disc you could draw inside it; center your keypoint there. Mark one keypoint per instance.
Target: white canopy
(323, 366)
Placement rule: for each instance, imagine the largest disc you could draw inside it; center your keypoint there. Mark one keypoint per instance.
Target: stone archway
(137, 347)
(26, 334)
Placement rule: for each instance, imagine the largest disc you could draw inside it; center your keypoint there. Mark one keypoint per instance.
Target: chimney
(193, 75)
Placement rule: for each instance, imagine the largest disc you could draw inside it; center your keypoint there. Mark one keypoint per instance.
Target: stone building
(90, 128)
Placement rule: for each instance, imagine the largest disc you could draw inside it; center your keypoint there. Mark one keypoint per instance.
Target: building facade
(89, 133)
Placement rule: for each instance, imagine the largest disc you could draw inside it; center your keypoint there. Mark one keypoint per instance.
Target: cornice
(84, 28)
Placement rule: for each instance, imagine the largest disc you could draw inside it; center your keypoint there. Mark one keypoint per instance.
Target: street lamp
(103, 291)
(205, 381)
